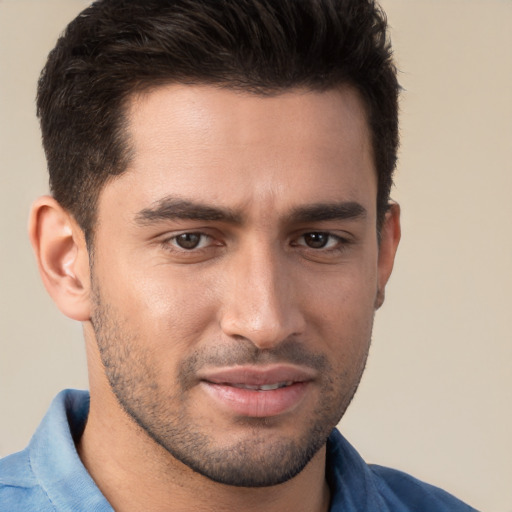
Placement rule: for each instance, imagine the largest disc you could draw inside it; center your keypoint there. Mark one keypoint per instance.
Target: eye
(319, 240)
(190, 241)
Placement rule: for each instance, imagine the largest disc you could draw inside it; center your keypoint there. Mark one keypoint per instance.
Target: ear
(61, 252)
(389, 239)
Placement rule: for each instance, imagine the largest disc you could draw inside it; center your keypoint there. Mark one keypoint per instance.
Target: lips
(254, 391)
(264, 387)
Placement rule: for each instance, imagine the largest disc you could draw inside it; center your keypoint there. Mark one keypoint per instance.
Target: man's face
(235, 275)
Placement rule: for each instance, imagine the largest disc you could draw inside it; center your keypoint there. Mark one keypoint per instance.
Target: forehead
(236, 148)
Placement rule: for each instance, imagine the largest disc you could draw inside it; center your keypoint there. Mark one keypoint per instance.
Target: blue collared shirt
(48, 476)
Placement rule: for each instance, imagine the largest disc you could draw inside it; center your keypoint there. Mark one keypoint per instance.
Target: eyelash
(340, 243)
(172, 241)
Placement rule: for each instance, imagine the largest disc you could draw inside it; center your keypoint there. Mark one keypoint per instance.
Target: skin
(260, 289)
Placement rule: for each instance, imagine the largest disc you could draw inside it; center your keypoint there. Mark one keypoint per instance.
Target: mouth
(263, 387)
(257, 391)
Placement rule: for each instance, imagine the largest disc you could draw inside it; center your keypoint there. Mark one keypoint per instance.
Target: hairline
(143, 88)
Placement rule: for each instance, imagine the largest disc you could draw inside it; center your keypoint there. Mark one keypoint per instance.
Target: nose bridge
(261, 305)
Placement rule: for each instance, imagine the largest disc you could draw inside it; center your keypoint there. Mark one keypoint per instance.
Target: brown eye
(188, 240)
(316, 240)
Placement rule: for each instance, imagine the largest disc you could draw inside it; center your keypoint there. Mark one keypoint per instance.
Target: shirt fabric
(48, 476)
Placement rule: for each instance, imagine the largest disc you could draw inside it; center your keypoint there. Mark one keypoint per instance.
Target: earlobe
(61, 253)
(389, 240)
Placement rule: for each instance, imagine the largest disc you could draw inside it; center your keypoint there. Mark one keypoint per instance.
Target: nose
(262, 300)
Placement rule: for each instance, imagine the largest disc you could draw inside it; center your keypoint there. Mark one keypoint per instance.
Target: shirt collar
(55, 461)
(350, 479)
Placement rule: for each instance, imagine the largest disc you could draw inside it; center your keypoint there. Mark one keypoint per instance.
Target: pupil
(316, 240)
(188, 240)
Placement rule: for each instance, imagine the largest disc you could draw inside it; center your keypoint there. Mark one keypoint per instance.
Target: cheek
(348, 290)
(170, 308)
(342, 311)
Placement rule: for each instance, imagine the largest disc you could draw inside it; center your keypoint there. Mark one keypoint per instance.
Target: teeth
(268, 387)
(264, 387)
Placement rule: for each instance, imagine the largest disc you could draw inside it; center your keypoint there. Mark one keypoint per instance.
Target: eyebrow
(345, 210)
(172, 208)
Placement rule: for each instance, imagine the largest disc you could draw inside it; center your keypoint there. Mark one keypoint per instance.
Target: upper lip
(253, 375)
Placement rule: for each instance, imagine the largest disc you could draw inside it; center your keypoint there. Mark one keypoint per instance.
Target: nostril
(264, 328)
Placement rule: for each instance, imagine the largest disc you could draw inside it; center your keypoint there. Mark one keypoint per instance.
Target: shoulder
(37, 477)
(19, 488)
(373, 487)
(396, 486)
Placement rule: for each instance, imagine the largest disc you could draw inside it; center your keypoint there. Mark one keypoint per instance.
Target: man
(220, 223)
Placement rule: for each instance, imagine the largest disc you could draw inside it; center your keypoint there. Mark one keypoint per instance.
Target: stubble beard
(254, 460)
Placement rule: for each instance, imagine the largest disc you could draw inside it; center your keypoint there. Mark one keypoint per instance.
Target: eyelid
(336, 244)
(170, 241)
(340, 239)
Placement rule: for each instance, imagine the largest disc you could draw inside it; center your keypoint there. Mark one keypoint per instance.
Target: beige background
(437, 396)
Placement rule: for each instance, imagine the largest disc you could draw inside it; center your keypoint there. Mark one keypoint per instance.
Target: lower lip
(254, 403)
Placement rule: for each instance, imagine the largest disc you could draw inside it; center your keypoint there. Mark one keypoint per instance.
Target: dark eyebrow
(172, 208)
(328, 211)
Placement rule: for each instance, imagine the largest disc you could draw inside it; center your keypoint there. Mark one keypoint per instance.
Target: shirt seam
(39, 483)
